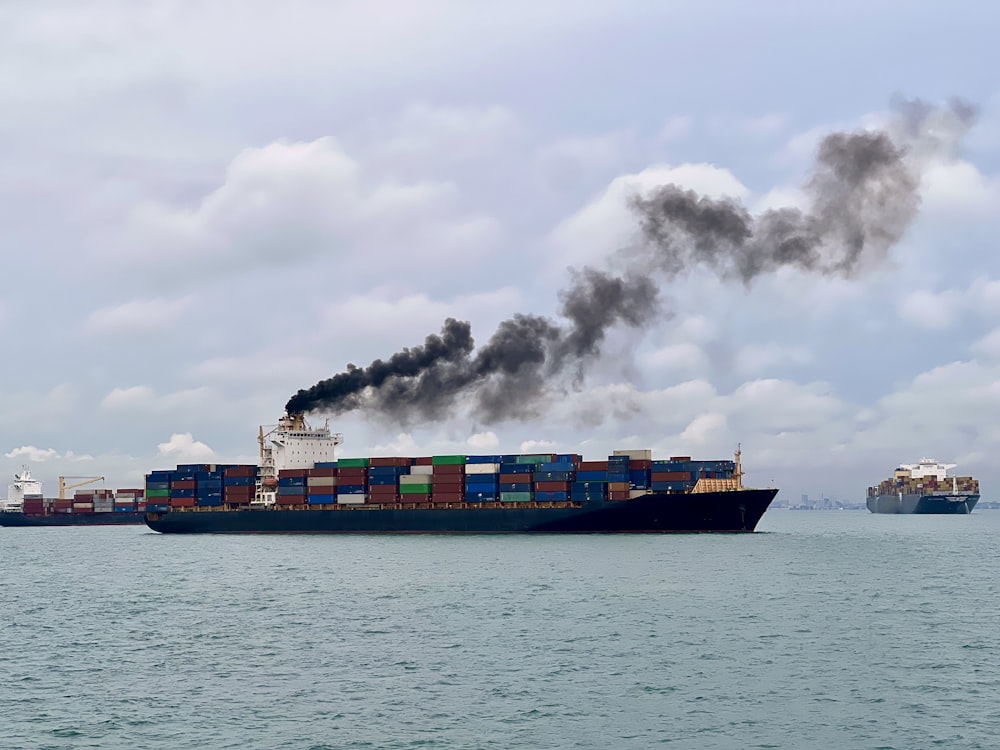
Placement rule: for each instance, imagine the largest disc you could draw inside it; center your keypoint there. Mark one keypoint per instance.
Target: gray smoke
(860, 199)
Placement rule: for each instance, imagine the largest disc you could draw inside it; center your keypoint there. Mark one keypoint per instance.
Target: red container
(390, 461)
(515, 478)
(378, 489)
(325, 471)
(449, 469)
(291, 500)
(423, 461)
(680, 458)
(447, 497)
(640, 463)
(618, 494)
(239, 500)
(352, 472)
(408, 498)
(182, 502)
(293, 473)
(183, 484)
(552, 486)
(240, 471)
(619, 486)
(592, 466)
(447, 486)
(671, 476)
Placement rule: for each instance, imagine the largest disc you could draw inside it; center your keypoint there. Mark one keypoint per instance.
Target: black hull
(922, 504)
(733, 511)
(9, 518)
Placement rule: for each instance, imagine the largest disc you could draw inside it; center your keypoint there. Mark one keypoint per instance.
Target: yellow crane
(63, 487)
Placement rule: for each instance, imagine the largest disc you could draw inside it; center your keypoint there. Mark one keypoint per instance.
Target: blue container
(238, 482)
(209, 502)
(176, 492)
(592, 476)
(325, 464)
(555, 466)
(211, 484)
(202, 475)
(291, 481)
(192, 467)
(387, 471)
(554, 476)
(482, 497)
(511, 468)
(296, 490)
(670, 486)
(571, 458)
(207, 493)
(321, 499)
(159, 476)
(383, 480)
(482, 486)
(352, 489)
(554, 496)
(482, 459)
(618, 476)
(157, 507)
(157, 485)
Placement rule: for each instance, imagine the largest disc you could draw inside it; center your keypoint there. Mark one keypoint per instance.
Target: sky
(206, 207)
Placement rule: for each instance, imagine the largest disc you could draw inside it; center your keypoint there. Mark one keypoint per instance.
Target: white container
(482, 468)
(351, 499)
(638, 455)
(421, 470)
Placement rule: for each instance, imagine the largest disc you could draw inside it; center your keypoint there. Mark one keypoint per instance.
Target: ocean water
(824, 629)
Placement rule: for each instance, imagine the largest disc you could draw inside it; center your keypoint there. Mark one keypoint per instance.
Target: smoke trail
(861, 198)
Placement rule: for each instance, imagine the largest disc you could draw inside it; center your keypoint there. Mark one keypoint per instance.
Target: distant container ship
(299, 486)
(27, 506)
(924, 487)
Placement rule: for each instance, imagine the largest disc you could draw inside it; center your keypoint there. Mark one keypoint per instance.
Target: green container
(528, 459)
(415, 489)
(448, 460)
(516, 497)
(157, 493)
(352, 463)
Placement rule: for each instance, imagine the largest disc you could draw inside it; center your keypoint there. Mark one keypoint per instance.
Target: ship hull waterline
(13, 518)
(922, 504)
(725, 512)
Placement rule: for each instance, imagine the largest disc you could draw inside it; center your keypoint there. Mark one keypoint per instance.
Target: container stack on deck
(86, 502)
(437, 480)
(924, 486)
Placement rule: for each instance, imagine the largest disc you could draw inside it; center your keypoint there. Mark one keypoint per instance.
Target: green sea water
(822, 630)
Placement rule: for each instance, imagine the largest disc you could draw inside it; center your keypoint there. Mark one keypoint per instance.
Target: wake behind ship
(924, 487)
(300, 487)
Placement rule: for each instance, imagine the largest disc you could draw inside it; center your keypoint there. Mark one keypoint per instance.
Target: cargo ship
(924, 487)
(27, 506)
(300, 486)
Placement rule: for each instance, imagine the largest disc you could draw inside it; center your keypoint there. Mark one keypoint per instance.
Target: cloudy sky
(205, 207)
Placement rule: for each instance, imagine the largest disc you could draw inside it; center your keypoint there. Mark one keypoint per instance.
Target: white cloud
(183, 447)
(42, 455)
(141, 398)
(754, 359)
(483, 441)
(606, 223)
(704, 427)
(537, 446)
(292, 201)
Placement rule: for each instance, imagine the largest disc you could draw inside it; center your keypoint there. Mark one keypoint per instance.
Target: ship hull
(942, 504)
(733, 511)
(11, 518)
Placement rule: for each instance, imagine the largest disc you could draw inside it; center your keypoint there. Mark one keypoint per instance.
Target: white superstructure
(22, 486)
(927, 467)
(292, 444)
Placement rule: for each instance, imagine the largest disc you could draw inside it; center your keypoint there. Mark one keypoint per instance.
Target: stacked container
(239, 485)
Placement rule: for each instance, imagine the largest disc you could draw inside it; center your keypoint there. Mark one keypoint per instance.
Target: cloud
(290, 202)
(754, 359)
(139, 315)
(703, 427)
(143, 398)
(606, 224)
(483, 441)
(183, 447)
(41, 455)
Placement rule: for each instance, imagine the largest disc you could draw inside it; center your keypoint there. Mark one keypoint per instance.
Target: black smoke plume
(859, 201)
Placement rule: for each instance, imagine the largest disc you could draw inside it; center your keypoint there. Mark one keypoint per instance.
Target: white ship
(22, 486)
